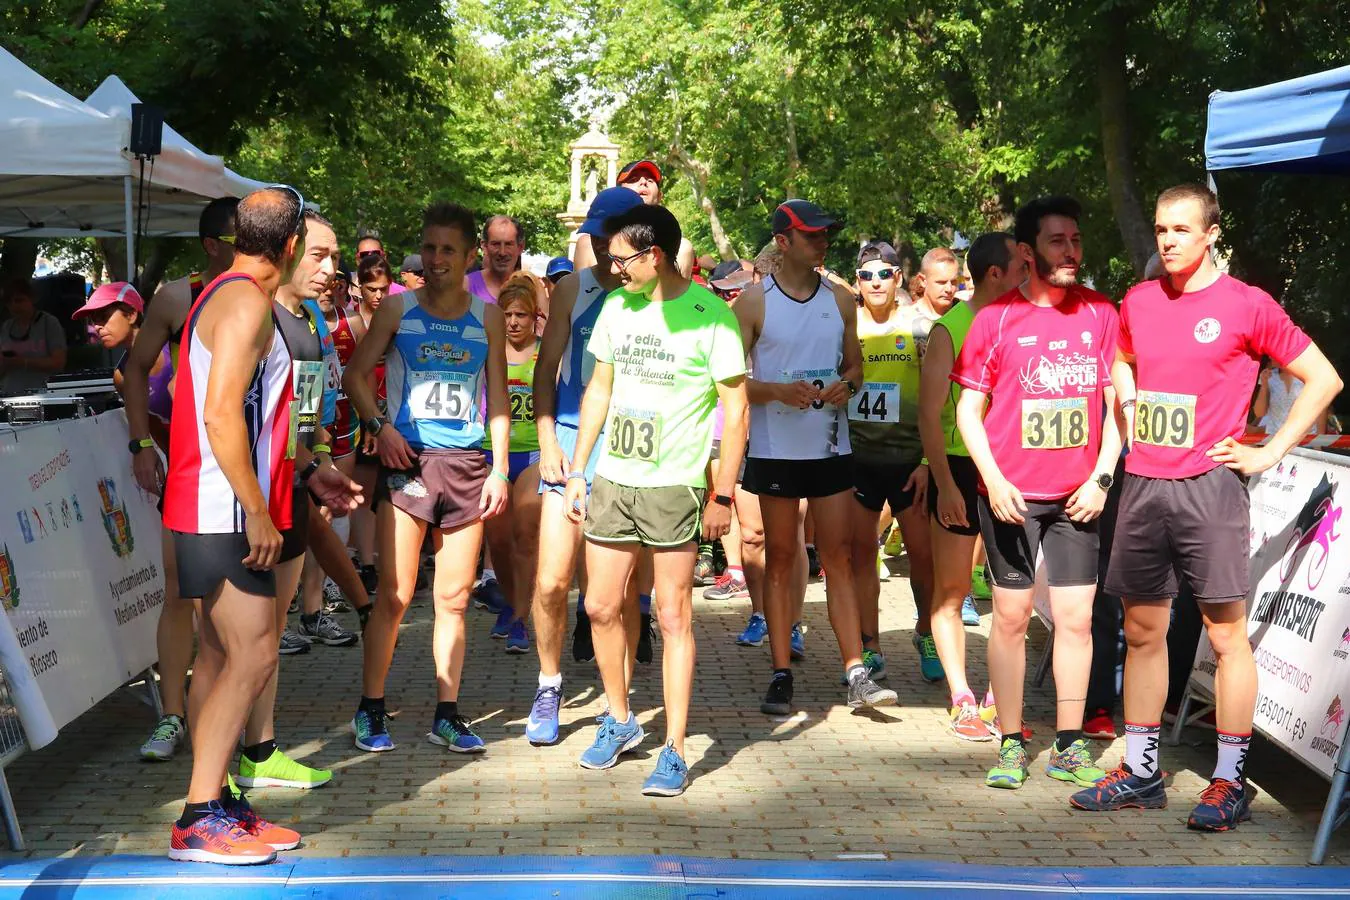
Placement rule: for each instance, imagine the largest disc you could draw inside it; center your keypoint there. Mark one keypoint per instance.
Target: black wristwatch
(852, 388)
(1105, 480)
(136, 445)
(309, 470)
(721, 500)
(373, 426)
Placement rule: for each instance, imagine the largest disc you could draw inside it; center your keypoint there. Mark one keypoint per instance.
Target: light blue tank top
(577, 362)
(434, 374)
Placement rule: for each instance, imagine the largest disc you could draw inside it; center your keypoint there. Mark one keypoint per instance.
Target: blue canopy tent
(1301, 126)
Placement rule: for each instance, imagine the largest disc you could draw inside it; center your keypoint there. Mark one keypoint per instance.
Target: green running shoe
(1074, 764)
(279, 770)
(1011, 770)
(979, 584)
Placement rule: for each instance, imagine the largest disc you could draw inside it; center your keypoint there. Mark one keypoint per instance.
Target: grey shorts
(653, 516)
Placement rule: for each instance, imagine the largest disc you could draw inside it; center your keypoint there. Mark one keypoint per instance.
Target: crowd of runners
(339, 440)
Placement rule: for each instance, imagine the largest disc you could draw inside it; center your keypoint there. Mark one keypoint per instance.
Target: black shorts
(877, 484)
(205, 560)
(798, 478)
(967, 479)
(1189, 528)
(1070, 547)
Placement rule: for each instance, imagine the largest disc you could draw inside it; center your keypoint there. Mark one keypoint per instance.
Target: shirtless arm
(167, 312)
(850, 369)
(393, 450)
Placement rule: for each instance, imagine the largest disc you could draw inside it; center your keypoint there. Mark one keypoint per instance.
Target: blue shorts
(517, 462)
(567, 440)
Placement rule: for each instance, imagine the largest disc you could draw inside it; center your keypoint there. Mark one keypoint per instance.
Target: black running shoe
(582, 648)
(644, 650)
(778, 700)
(1122, 789)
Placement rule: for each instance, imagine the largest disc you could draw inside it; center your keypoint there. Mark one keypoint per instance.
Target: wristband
(323, 448)
(502, 475)
(571, 475)
(1126, 404)
(309, 470)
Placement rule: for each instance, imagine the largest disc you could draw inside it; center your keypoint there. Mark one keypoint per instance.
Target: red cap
(637, 169)
(109, 294)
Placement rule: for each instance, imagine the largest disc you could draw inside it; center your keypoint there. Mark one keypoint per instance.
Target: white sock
(488, 574)
(553, 681)
(1141, 748)
(1232, 755)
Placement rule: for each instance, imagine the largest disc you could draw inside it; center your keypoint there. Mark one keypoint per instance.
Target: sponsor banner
(81, 566)
(1298, 608)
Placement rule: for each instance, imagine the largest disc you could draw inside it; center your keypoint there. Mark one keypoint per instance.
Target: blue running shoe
(456, 735)
(611, 739)
(1223, 806)
(755, 631)
(969, 614)
(1122, 789)
(502, 627)
(488, 595)
(798, 642)
(370, 731)
(542, 727)
(517, 639)
(930, 667)
(671, 776)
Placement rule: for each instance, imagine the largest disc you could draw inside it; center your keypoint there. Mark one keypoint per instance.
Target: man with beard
(503, 244)
(1040, 420)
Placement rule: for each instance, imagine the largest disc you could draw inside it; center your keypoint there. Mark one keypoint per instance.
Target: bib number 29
(635, 436)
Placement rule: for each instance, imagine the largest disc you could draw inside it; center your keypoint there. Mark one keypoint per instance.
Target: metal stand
(1337, 811)
(152, 688)
(11, 817)
(1190, 699)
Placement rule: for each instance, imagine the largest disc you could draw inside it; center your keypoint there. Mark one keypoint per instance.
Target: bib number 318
(1054, 424)
(635, 435)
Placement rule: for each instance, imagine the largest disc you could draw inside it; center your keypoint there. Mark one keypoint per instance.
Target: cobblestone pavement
(823, 783)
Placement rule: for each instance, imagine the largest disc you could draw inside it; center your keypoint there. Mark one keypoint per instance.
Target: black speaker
(147, 129)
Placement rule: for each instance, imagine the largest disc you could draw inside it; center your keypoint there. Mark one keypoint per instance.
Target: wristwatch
(721, 500)
(1105, 480)
(136, 445)
(852, 388)
(373, 426)
(309, 470)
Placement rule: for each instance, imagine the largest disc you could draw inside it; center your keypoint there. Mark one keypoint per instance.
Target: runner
(375, 279)
(1039, 358)
(996, 269)
(800, 336)
(445, 355)
(665, 351)
(513, 536)
(243, 408)
(147, 390)
(643, 177)
(564, 367)
(503, 245)
(1192, 343)
(883, 429)
(410, 273)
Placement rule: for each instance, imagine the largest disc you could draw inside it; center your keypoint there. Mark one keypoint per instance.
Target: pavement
(823, 784)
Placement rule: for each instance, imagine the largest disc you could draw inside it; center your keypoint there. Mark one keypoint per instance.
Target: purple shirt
(478, 287)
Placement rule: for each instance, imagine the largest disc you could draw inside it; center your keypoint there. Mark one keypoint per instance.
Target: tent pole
(129, 223)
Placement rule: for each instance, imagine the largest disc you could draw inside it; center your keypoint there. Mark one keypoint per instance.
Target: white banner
(1299, 607)
(81, 566)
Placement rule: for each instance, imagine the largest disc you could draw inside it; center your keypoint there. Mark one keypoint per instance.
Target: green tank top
(520, 393)
(957, 322)
(883, 417)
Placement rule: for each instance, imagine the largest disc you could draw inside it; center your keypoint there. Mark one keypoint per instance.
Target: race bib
(441, 396)
(334, 366)
(1054, 424)
(635, 434)
(817, 377)
(522, 402)
(1165, 420)
(307, 378)
(878, 401)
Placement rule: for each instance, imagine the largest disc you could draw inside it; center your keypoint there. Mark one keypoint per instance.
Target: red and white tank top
(198, 498)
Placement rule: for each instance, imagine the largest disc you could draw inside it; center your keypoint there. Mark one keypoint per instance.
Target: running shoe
(813, 567)
(456, 735)
(930, 667)
(1011, 770)
(1074, 764)
(970, 616)
(876, 664)
(670, 777)
(164, 740)
(583, 650)
(863, 691)
(1223, 806)
(542, 726)
(705, 569)
(798, 645)
(487, 594)
(1122, 789)
(333, 599)
(217, 837)
(966, 724)
(326, 630)
(778, 700)
(502, 627)
(895, 543)
(292, 643)
(279, 770)
(727, 587)
(278, 837)
(370, 731)
(755, 631)
(612, 739)
(989, 714)
(1100, 726)
(518, 639)
(979, 584)
(644, 647)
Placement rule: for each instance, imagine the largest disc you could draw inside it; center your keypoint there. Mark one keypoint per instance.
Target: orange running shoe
(273, 835)
(218, 838)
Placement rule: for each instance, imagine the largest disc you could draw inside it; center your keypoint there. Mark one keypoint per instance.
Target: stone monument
(591, 144)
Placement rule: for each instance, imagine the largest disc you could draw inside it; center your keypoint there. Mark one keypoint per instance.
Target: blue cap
(558, 266)
(609, 202)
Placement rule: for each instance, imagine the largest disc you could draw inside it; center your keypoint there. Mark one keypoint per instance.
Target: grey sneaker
(333, 599)
(292, 643)
(863, 691)
(326, 630)
(164, 740)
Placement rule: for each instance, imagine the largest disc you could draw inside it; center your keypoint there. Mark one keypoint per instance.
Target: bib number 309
(1165, 420)
(635, 435)
(440, 396)
(1054, 424)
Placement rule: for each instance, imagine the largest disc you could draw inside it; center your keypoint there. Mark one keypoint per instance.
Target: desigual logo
(1207, 330)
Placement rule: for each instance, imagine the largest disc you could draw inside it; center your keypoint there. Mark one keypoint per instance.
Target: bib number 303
(1165, 420)
(635, 434)
(1054, 424)
(440, 395)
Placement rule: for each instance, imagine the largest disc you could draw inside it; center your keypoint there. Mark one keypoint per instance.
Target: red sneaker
(1100, 726)
(218, 838)
(275, 836)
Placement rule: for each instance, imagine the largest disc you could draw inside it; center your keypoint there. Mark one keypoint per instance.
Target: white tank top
(799, 341)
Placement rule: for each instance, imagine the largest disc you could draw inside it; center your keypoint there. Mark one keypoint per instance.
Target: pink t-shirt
(396, 288)
(1197, 359)
(1044, 369)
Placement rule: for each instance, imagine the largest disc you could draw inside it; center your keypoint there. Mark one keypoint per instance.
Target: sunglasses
(878, 275)
(364, 253)
(300, 212)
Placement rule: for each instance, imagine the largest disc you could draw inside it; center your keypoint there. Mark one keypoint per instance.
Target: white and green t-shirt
(668, 358)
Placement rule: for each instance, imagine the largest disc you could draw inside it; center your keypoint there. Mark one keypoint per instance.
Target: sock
(782, 673)
(1020, 738)
(1232, 755)
(961, 699)
(553, 681)
(1141, 748)
(259, 752)
(736, 573)
(581, 604)
(989, 697)
(308, 618)
(810, 547)
(855, 672)
(446, 709)
(489, 575)
(645, 604)
(193, 812)
(1064, 738)
(371, 704)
